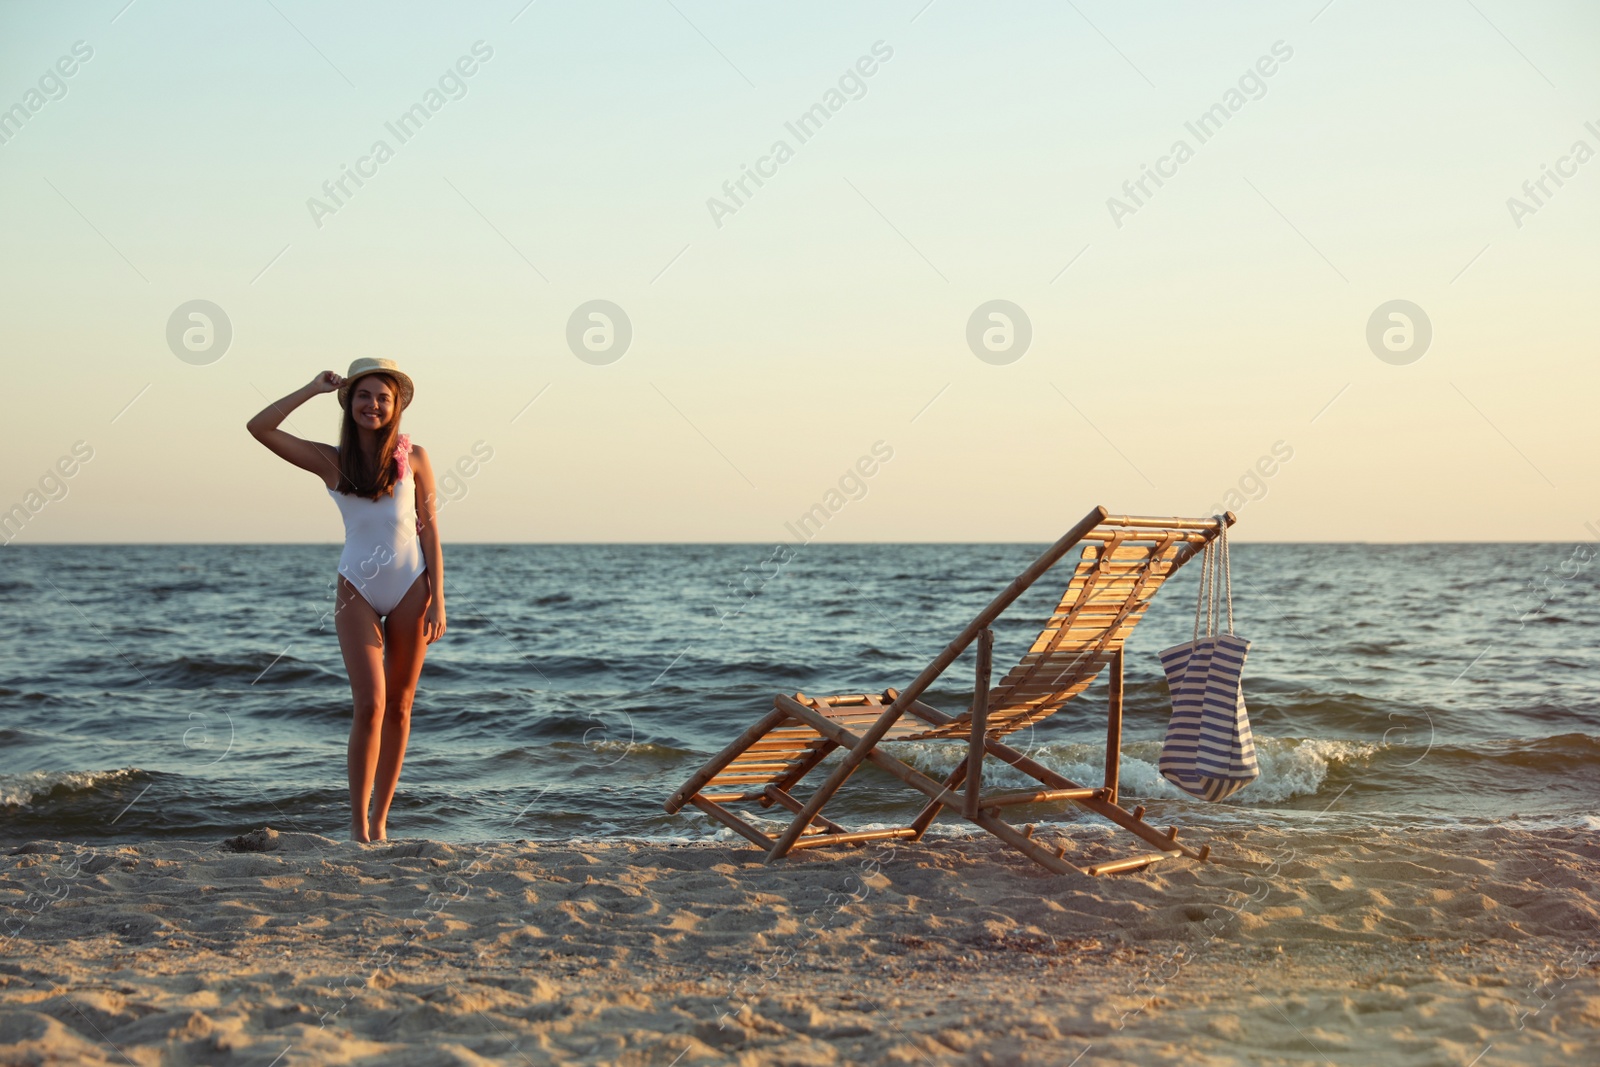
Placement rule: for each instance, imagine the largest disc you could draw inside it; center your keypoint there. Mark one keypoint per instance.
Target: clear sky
(1199, 336)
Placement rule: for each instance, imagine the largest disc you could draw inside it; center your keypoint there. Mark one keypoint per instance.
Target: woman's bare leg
(404, 649)
(361, 641)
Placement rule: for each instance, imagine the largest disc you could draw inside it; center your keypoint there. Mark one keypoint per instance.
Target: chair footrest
(1130, 863)
(819, 840)
(1040, 796)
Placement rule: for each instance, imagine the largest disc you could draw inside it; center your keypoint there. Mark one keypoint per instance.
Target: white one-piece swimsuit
(382, 551)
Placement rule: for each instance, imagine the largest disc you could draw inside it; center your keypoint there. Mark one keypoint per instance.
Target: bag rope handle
(1227, 571)
(1216, 568)
(1200, 596)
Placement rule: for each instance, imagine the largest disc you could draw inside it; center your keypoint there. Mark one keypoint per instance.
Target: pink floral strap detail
(402, 455)
(402, 458)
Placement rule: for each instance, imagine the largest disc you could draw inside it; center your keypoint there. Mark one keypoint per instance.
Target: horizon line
(553, 544)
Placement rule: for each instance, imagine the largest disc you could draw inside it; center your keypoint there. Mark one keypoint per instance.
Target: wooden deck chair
(1124, 561)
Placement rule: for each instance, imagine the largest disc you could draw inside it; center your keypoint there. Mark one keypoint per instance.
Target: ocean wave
(1296, 767)
(598, 744)
(22, 790)
(1290, 767)
(1549, 755)
(166, 591)
(187, 672)
(634, 748)
(31, 696)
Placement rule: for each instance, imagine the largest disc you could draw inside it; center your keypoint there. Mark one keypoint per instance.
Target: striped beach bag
(1208, 751)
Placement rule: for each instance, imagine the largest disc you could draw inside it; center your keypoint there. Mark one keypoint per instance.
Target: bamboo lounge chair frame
(1125, 559)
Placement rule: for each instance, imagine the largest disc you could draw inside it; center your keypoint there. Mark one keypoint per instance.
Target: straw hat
(363, 367)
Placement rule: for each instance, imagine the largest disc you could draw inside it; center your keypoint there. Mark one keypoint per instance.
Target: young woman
(390, 601)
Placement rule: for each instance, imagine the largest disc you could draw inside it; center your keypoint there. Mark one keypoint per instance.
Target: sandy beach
(1339, 946)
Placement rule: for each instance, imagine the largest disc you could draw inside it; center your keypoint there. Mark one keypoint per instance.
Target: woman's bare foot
(358, 833)
(381, 830)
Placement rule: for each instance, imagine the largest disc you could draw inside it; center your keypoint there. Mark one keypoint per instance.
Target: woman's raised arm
(314, 456)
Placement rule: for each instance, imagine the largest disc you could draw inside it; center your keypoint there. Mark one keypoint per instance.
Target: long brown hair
(356, 473)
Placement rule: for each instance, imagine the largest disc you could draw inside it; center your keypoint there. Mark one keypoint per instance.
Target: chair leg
(1114, 727)
(1025, 844)
(1115, 813)
(979, 723)
(940, 794)
(730, 820)
(931, 811)
(783, 797)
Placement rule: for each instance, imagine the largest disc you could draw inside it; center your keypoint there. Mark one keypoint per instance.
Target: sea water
(152, 691)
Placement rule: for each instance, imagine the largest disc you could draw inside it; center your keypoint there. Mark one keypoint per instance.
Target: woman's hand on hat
(326, 382)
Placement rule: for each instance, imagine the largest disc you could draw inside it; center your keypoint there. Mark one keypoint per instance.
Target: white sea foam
(19, 790)
(1290, 767)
